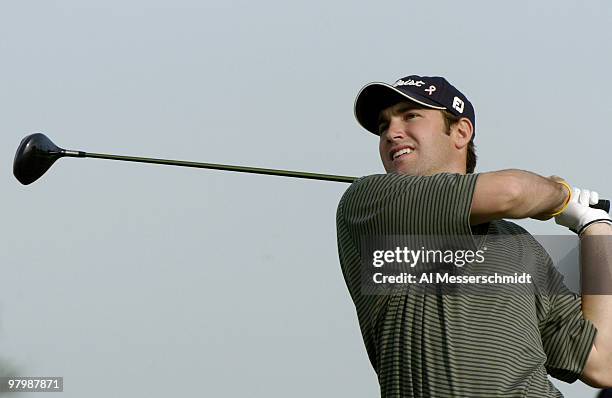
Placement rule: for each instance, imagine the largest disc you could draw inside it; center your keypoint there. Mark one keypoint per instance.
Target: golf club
(37, 153)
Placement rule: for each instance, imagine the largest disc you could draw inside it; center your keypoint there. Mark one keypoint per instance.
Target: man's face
(414, 141)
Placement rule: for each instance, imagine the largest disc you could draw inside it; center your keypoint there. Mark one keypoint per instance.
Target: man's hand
(578, 215)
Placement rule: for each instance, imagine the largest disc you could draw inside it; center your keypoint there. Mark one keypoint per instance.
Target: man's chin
(405, 171)
(405, 167)
(412, 171)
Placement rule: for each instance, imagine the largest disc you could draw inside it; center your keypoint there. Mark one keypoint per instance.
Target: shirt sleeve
(567, 337)
(398, 204)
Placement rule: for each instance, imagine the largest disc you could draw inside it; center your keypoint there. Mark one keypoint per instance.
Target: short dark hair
(470, 161)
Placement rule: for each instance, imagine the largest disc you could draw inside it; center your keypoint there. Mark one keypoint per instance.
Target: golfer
(467, 345)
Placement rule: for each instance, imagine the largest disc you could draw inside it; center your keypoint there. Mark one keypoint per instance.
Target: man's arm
(521, 194)
(515, 194)
(596, 276)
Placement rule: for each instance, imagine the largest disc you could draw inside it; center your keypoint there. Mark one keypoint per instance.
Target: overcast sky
(142, 280)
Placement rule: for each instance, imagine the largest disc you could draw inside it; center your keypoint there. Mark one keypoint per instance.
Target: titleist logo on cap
(409, 82)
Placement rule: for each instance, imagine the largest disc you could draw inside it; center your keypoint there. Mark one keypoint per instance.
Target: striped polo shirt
(460, 345)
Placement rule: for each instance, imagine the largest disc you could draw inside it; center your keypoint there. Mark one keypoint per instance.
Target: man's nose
(395, 129)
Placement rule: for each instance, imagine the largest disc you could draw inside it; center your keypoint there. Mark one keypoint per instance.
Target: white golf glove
(578, 215)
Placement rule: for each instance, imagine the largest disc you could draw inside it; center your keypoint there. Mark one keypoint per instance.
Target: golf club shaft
(603, 204)
(36, 153)
(214, 166)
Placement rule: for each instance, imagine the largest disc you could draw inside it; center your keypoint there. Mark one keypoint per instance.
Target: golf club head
(35, 154)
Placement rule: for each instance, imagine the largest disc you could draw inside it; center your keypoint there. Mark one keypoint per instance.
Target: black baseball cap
(433, 92)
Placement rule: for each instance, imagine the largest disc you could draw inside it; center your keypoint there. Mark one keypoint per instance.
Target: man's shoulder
(505, 227)
(402, 202)
(381, 180)
(372, 188)
(512, 234)
(508, 228)
(380, 184)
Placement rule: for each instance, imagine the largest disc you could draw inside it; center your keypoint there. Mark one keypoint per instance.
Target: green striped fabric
(426, 345)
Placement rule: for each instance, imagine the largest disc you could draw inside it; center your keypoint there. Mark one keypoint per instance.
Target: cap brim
(374, 97)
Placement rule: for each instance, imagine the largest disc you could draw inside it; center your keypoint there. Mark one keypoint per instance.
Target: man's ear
(462, 132)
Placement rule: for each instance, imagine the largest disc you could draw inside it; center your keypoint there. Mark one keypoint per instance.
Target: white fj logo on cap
(431, 89)
(458, 104)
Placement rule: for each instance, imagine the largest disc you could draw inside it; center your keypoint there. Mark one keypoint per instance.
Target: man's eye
(410, 115)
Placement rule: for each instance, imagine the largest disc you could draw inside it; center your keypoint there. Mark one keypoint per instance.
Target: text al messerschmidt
(434, 277)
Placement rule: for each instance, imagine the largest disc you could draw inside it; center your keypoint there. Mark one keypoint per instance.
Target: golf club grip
(603, 204)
